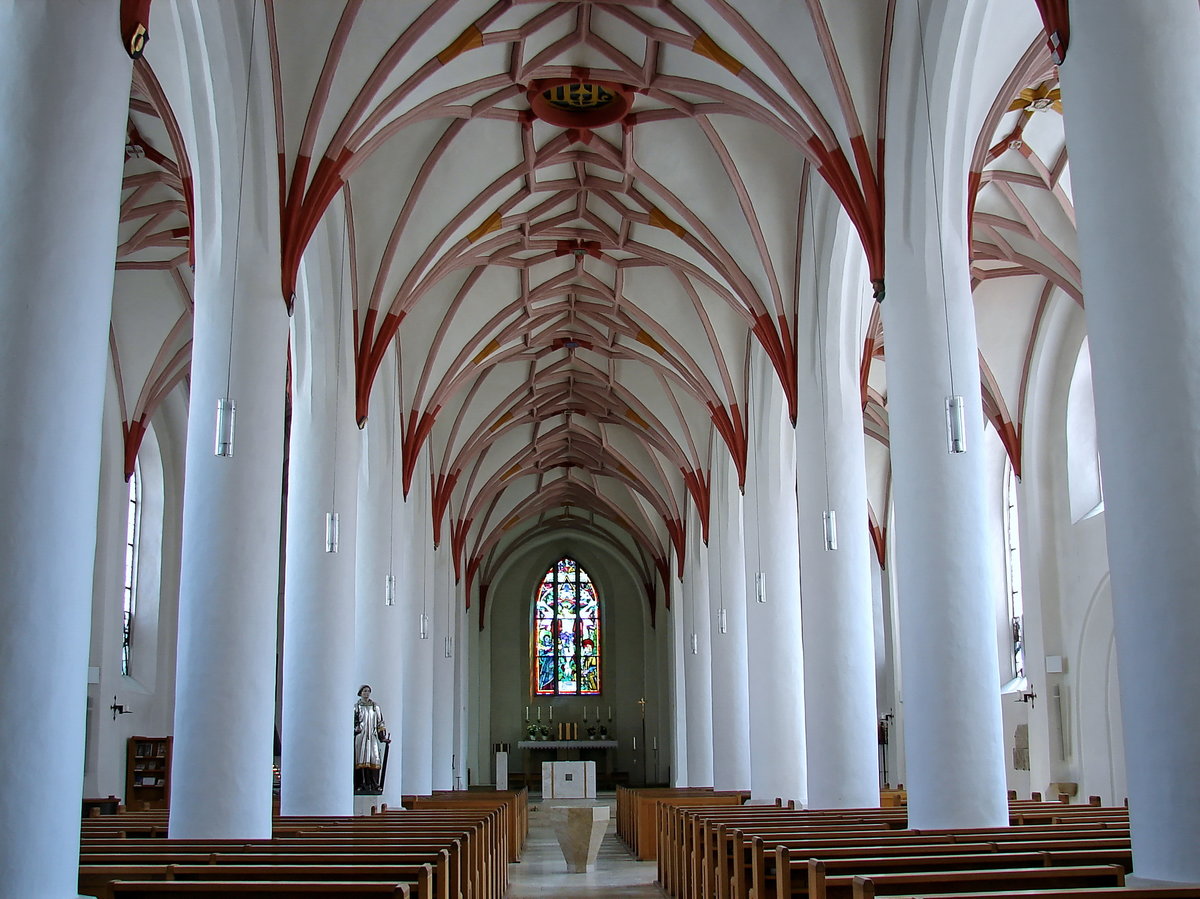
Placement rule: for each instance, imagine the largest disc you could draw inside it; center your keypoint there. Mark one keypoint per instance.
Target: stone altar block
(579, 830)
(568, 780)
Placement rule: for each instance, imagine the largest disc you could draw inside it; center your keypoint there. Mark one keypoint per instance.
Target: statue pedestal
(579, 831)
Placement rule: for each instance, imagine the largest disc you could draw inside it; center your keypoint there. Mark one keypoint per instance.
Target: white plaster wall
(150, 689)
(624, 620)
(1075, 726)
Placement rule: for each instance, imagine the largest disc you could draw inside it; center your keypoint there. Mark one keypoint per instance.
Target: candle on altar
(654, 743)
(610, 713)
(597, 714)
(526, 714)
(585, 714)
(539, 713)
(551, 713)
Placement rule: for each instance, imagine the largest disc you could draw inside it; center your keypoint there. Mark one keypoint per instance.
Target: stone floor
(542, 871)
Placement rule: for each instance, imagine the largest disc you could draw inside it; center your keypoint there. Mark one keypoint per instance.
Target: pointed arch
(565, 638)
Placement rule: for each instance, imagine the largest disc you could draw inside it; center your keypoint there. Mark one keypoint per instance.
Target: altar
(568, 780)
(535, 752)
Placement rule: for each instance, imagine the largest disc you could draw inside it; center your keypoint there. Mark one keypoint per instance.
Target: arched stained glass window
(566, 632)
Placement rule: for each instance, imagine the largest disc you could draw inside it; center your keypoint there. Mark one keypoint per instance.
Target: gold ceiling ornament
(1033, 99)
(579, 102)
(579, 97)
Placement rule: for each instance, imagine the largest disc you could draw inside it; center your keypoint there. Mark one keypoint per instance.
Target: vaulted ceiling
(575, 221)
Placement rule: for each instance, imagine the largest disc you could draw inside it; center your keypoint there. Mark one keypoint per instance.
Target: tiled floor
(542, 871)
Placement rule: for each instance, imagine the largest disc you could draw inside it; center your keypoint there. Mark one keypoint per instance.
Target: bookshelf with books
(148, 773)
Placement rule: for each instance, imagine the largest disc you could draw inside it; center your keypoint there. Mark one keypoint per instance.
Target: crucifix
(642, 703)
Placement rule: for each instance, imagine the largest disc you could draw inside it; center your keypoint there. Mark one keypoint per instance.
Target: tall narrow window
(566, 632)
(132, 527)
(1012, 556)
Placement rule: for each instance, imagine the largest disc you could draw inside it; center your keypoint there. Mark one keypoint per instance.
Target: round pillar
(839, 635)
(727, 614)
(229, 567)
(1138, 215)
(381, 549)
(316, 767)
(773, 627)
(444, 695)
(65, 100)
(947, 581)
(697, 659)
(418, 655)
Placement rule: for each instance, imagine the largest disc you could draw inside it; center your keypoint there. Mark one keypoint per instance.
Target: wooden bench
(815, 874)
(760, 868)
(999, 879)
(447, 878)
(231, 889)
(767, 865)
(476, 871)
(96, 879)
(1185, 892)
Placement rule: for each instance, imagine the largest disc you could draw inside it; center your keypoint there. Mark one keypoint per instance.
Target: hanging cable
(956, 435)
(828, 516)
(226, 405)
(331, 517)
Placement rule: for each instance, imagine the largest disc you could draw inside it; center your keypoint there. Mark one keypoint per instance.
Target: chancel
(782, 403)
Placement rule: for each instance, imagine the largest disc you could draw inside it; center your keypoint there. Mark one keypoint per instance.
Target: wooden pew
(476, 871)
(629, 808)
(767, 869)
(710, 852)
(708, 845)
(764, 852)
(998, 879)
(96, 879)
(103, 868)
(232, 889)
(815, 875)
(515, 802)
(650, 819)
(1126, 892)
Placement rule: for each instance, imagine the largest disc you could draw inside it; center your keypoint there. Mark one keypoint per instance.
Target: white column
(946, 577)
(727, 604)
(418, 655)
(774, 626)
(378, 628)
(462, 692)
(1138, 202)
(317, 763)
(678, 637)
(697, 658)
(444, 651)
(59, 195)
(229, 580)
(839, 648)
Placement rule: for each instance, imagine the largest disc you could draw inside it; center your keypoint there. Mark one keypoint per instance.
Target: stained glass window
(566, 632)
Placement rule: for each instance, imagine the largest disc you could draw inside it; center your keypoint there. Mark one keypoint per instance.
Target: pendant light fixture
(828, 516)
(226, 405)
(956, 431)
(331, 517)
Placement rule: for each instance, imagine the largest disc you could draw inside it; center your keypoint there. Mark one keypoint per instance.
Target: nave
(771, 316)
(542, 873)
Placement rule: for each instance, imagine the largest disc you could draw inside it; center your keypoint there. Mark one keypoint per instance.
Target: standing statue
(370, 733)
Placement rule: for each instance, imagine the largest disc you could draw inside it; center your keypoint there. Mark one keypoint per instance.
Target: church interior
(796, 398)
